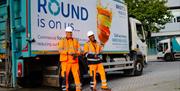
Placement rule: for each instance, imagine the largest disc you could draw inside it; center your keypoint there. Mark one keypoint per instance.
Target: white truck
(42, 24)
(169, 49)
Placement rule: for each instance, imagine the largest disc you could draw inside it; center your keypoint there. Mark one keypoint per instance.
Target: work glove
(98, 56)
(88, 55)
(74, 56)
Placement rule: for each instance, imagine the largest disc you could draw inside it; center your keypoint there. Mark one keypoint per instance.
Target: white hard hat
(90, 33)
(68, 29)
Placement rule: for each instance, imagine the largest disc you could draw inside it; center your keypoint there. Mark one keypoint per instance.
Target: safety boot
(63, 85)
(106, 89)
(93, 89)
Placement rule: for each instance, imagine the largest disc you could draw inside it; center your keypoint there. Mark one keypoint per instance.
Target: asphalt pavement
(158, 75)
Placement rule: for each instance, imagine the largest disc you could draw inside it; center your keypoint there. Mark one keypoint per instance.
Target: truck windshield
(140, 31)
(162, 47)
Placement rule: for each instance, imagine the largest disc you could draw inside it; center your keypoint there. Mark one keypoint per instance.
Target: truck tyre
(168, 57)
(138, 69)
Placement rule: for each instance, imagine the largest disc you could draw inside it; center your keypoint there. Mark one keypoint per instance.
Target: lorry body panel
(48, 28)
(176, 44)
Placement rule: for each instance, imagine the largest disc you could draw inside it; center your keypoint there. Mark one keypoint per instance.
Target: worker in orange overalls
(92, 52)
(69, 49)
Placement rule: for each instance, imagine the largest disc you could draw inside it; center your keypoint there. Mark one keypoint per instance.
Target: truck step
(2, 78)
(177, 55)
(51, 70)
(2, 33)
(51, 76)
(2, 72)
(117, 63)
(51, 80)
(118, 68)
(2, 39)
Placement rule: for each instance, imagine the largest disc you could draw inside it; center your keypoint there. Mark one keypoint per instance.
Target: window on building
(3, 2)
(170, 21)
(178, 19)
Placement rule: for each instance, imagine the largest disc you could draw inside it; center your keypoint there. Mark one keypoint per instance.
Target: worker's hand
(96, 56)
(74, 56)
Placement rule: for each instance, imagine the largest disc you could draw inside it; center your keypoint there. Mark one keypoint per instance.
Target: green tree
(152, 13)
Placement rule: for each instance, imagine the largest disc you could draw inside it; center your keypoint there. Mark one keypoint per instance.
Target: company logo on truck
(56, 8)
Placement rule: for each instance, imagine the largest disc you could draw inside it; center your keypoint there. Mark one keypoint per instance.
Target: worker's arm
(86, 49)
(78, 48)
(61, 48)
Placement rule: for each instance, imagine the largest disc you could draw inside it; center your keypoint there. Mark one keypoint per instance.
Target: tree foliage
(152, 13)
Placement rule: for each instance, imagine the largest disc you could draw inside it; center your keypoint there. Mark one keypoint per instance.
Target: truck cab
(138, 38)
(168, 49)
(163, 47)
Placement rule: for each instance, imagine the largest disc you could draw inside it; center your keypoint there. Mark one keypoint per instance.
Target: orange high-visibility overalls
(69, 49)
(95, 65)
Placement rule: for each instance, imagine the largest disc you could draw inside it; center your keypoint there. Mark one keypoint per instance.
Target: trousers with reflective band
(74, 68)
(94, 68)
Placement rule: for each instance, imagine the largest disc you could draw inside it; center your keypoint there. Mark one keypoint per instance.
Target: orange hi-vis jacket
(68, 47)
(92, 48)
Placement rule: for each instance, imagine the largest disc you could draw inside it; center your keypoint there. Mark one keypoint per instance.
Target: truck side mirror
(143, 40)
(148, 34)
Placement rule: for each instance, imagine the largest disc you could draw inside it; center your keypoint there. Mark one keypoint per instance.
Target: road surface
(157, 76)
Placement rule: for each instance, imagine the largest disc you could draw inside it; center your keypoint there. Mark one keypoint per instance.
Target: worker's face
(92, 38)
(69, 34)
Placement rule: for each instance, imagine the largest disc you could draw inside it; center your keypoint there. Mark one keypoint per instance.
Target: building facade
(171, 29)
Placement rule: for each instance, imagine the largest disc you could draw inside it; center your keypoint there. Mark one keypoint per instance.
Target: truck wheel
(138, 69)
(168, 57)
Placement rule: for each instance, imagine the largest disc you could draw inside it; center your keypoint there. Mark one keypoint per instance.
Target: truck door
(141, 41)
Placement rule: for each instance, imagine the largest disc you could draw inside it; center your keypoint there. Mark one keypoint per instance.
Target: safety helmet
(89, 33)
(68, 29)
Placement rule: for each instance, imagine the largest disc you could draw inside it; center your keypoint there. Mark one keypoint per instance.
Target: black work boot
(106, 89)
(93, 89)
(63, 86)
(60, 84)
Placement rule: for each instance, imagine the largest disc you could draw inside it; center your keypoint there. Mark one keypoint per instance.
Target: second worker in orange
(92, 51)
